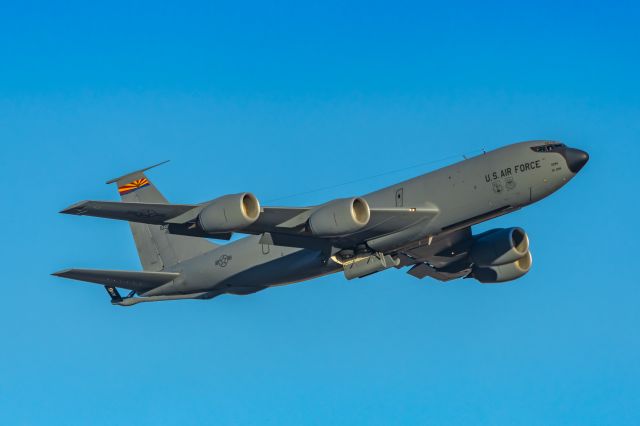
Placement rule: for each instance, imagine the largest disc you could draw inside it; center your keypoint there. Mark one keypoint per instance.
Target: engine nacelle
(340, 217)
(503, 273)
(229, 213)
(500, 247)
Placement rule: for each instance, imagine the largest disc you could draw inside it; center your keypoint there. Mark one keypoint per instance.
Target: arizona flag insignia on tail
(132, 186)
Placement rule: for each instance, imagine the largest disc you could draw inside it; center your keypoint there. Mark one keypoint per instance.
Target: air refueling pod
(362, 267)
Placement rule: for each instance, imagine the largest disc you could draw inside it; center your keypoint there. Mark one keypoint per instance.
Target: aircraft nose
(576, 159)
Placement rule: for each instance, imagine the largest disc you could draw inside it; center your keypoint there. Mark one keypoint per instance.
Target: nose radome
(576, 159)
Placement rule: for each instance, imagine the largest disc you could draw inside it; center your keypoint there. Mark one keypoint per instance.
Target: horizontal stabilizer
(140, 281)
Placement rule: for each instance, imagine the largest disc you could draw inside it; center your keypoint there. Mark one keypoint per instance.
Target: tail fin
(156, 247)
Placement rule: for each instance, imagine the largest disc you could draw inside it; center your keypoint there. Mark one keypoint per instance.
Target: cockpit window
(548, 147)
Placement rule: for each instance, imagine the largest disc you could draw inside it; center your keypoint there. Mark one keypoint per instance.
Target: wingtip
(76, 208)
(62, 273)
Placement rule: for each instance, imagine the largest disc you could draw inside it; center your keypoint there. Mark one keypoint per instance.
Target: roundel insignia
(223, 260)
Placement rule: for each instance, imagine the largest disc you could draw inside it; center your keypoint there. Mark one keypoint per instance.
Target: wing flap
(139, 281)
(274, 219)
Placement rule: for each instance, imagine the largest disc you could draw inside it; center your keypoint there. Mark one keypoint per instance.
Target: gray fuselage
(465, 193)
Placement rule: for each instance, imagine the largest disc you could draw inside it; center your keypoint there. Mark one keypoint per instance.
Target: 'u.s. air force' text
(510, 171)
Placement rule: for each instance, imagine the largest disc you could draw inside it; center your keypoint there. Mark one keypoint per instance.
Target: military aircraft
(423, 224)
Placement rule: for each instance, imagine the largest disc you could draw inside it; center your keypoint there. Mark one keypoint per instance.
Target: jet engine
(339, 217)
(503, 273)
(501, 255)
(229, 213)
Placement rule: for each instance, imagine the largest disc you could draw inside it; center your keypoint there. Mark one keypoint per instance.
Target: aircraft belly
(249, 264)
(297, 266)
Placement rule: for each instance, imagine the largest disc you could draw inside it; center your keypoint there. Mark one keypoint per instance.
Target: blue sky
(282, 99)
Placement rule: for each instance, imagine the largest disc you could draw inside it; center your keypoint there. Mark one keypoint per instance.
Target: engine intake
(229, 213)
(499, 247)
(339, 217)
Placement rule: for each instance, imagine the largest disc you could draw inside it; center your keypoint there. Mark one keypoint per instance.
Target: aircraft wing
(278, 225)
(286, 226)
(160, 214)
(151, 213)
(293, 233)
(291, 220)
(170, 215)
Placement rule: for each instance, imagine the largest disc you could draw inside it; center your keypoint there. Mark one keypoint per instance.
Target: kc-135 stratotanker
(423, 224)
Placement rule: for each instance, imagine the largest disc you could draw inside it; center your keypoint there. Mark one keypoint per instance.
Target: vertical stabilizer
(156, 247)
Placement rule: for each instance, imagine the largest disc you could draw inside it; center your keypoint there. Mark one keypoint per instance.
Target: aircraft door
(400, 197)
